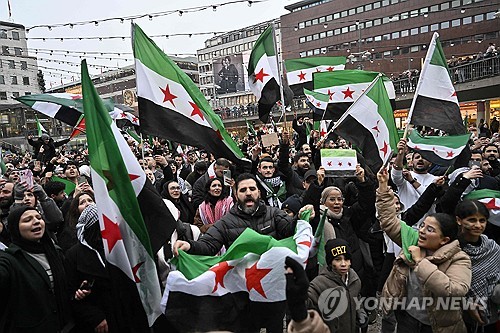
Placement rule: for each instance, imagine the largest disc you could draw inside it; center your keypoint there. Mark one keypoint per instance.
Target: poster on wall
(229, 74)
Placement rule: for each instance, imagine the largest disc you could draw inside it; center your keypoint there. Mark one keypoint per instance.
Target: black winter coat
(266, 221)
(49, 150)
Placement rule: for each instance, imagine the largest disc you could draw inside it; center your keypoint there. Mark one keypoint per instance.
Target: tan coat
(312, 324)
(446, 273)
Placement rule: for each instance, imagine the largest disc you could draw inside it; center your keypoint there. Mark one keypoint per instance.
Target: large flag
(440, 150)
(170, 104)
(263, 73)
(299, 72)
(369, 124)
(344, 87)
(491, 199)
(213, 293)
(435, 100)
(68, 108)
(134, 221)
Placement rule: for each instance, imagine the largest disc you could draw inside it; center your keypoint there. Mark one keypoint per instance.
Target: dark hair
(244, 176)
(447, 224)
(223, 162)
(475, 151)
(470, 207)
(266, 159)
(297, 156)
(223, 193)
(73, 214)
(489, 145)
(53, 187)
(68, 163)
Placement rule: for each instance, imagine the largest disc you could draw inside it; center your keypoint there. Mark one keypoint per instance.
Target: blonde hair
(326, 192)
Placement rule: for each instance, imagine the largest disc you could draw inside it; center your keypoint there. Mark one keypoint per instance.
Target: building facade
(223, 64)
(389, 36)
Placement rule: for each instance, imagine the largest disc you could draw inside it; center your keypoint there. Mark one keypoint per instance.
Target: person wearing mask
(67, 237)
(32, 278)
(432, 264)
(472, 218)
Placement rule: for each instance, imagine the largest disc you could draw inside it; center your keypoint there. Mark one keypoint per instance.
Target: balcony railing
(471, 71)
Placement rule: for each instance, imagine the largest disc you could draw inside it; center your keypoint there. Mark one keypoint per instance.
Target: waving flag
(435, 100)
(213, 293)
(172, 107)
(133, 219)
(491, 199)
(299, 72)
(441, 150)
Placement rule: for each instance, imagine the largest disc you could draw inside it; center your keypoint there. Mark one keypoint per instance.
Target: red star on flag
(416, 147)
(306, 243)
(196, 111)
(450, 154)
(331, 93)
(340, 163)
(76, 97)
(384, 148)
(330, 69)
(376, 128)
(260, 76)
(491, 204)
(168, 95)
(323, 132)
(134, 272)
(348, 93)
(318, 70)
(349, 163)
(135, 119)
(454, 94)
(220, 271)
(329, 163)
(318, 104)
(111, 233)
(254, 276)
(434, 149)
(302, 76)
(123, 115)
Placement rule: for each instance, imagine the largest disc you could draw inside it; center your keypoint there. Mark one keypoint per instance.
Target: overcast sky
(46, 12)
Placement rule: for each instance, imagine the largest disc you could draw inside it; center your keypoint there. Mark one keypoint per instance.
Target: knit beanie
(294, 203)
(336, 247)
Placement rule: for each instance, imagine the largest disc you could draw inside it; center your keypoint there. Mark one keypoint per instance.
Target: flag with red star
(344, 87)
(134, 221)
(299, 72)
(369, 124)
(213, 293)
(491, 199)
(263, 74)
(435, 100)
(172, 107)
(440, 150)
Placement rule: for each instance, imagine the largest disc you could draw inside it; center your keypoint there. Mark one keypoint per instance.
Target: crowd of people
(402, 233)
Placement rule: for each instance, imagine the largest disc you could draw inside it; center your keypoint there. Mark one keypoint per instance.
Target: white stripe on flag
(294, 76)
(437, 84)
(268, 64)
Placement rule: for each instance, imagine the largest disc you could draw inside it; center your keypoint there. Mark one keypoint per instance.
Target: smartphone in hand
(227, 177)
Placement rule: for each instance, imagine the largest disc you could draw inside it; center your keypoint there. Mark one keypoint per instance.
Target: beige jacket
(312, 324)
(446, 273)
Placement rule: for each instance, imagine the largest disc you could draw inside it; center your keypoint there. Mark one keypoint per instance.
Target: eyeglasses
(175, 188)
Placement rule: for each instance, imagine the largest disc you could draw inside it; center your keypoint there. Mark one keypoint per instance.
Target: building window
(378, 38)
(302, 54)
(3, 34)
(329, 17)
(3, 96)
(478, 18)
(490, 16)
(445, 25)
(302, 40)
(414, 49)
(15, 35)
(387, 54)
(414, 13)
(424, 29)
(26, 80)
(13, 79)
(15, 94)
(414, 31)
(395, 52)
(302, 25)
(385, 3)
(309, 38)
(329, 33)
(12, 64)
(315, 21)
(455, 3)
(360, 10)
(368, 24)
(316, 51)
(2, 79)
(345, 30)
(322, 34)
(405, 50)
(352, 11)
(336, 32)
(395, 35)
(445, 5)
(435, 27)
(352, 27)
(386, 20)
(24, 65)
(336, 16)
(18, 51)
(376, 5)
(434, 8)
(368, 7)
(343, 13)
(404, 15)
(405, 33)
(393, 2)
(455, 23)
(467, 20)
(377, 22)
(308, 23)
(5, 50)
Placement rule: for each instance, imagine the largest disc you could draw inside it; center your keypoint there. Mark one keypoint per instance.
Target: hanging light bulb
(71, 25)
(250, 3)
(214, 8)
(122, 20)
(462, 11)
(62, 39)
(166, 36)
(96, 23)
(190, 35)
(50, 28)
(150, 17)
(180, 12)
(27, 31)
(100, 39)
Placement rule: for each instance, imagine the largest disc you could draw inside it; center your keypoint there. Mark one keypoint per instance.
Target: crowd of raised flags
(356, 105)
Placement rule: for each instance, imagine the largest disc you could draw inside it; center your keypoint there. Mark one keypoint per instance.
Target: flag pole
(280, 71)
(142, 151)
(417, 89)
(345, 114)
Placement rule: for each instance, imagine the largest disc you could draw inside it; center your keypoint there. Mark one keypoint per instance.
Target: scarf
(88, 231)
(209, 213)
(275, 190)
(485, 260)
(331, 214)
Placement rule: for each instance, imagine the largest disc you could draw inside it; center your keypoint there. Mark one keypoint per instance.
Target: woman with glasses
(432, 269)
(172, 191)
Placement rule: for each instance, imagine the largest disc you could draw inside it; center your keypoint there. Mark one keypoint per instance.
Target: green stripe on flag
(345, 77)
(482, 194)
(438, 58)
(107, 160)
(338, 153)
(317, 95)
(450, 141)
(304, 63)
(134, 136)
(264, 46)
(249, 241)
(70, 186)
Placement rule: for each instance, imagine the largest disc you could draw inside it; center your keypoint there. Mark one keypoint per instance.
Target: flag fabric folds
(435, 100)
(170, 104)
(344, 87)
(299, 72)
(250, 129)
(263, 73)
(39, 127)
(134, 221)
(214, 293)
(440, 150)
(369, 124)
(491, 199)
(316, 101)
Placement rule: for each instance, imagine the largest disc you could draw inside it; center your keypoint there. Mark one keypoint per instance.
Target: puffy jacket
(266, 221)
(445, 273)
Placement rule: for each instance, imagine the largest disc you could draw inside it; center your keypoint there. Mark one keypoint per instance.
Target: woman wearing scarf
(484, 253)
(32, 278)
(104, 304)
(432, 269)
(215, 205)
(172, 192)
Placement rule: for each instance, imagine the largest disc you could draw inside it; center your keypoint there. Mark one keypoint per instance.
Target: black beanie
(294, 203)
(335, 247)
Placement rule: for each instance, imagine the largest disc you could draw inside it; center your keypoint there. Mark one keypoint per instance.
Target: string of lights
(123, 38)
(102, 53)
(151, 16)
